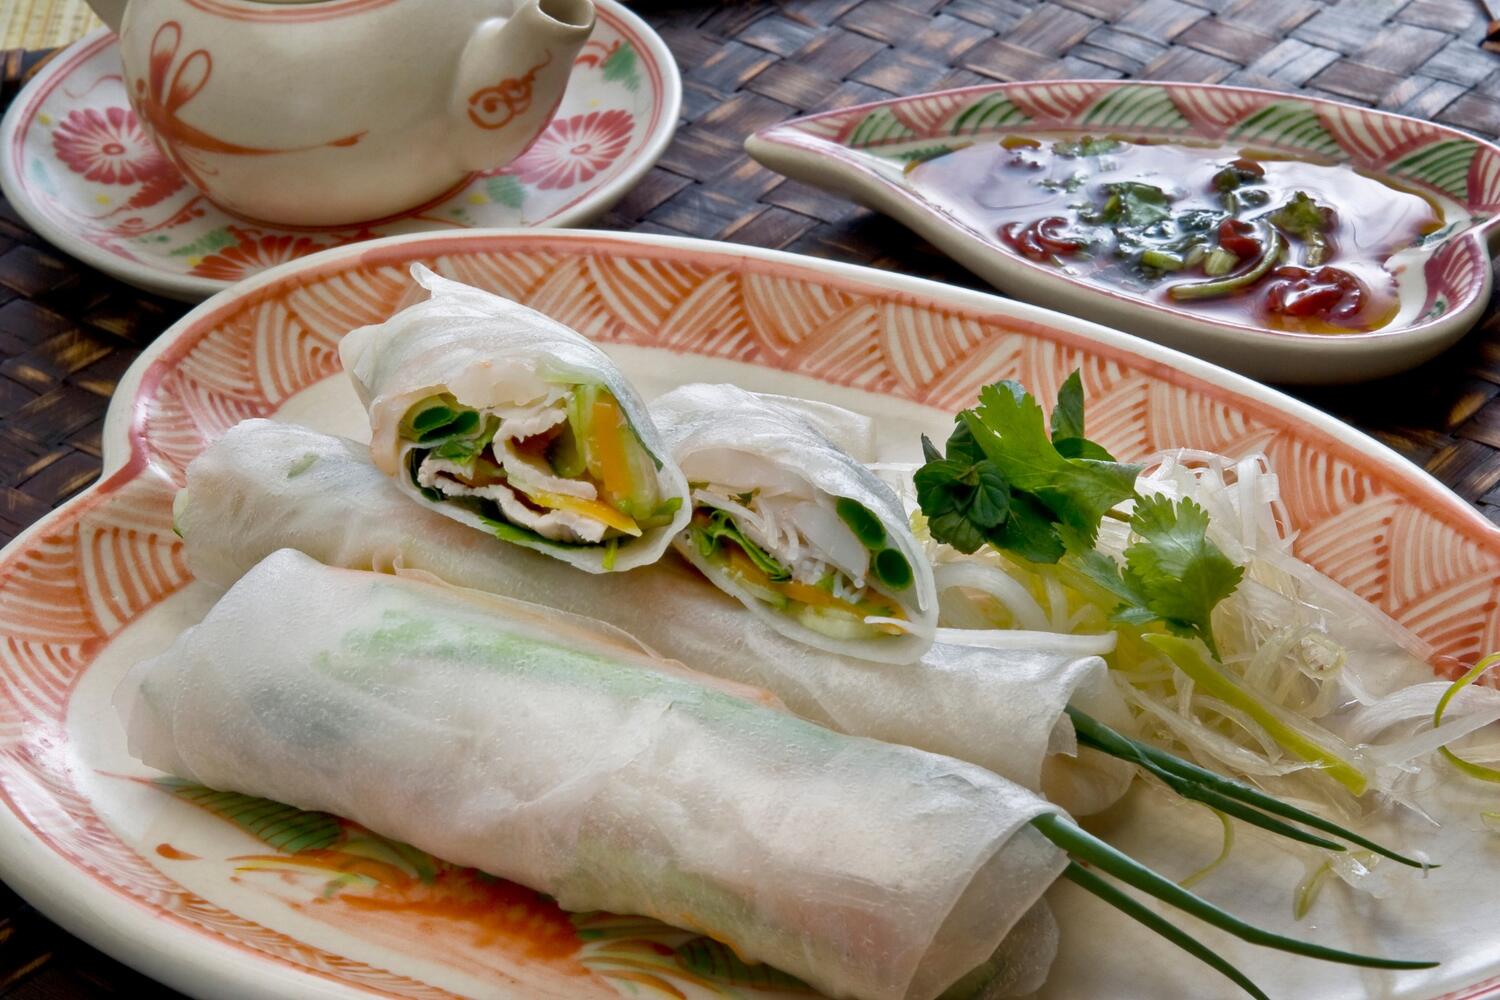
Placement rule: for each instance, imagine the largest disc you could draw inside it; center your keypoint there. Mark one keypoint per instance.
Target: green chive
(1152, 920)
(1083, 846)
(1095, 734)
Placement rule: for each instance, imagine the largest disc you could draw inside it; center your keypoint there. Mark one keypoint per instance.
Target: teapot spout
(512, 75)
(111, 12)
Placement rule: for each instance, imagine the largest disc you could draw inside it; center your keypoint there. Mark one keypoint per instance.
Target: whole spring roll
(807, 538)
(266, 486)
(496, 736)
(507, 421)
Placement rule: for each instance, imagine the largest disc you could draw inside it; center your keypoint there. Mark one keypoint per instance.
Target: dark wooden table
(67, 332)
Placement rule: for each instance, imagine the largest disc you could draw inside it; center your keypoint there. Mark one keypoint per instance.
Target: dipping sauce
(1248, 236)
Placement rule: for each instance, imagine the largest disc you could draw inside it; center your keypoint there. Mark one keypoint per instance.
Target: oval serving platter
(217, 895)
(1443, 280)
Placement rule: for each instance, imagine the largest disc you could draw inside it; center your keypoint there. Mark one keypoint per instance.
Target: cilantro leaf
(1067, 423)
(1067, 415)
(1009, 427)
(1173, 573)
(1181, 573)
(1132, 205)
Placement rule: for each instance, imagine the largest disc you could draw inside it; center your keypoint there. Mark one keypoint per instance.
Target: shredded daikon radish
(1329, 665)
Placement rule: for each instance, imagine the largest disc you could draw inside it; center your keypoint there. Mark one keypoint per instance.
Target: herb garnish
(1005, 481)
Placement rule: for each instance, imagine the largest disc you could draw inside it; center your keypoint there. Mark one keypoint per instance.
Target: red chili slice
(1234, 236)
(1042, 240)
(1327, 293)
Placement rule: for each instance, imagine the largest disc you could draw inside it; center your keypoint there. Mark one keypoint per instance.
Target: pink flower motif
(254, 252)
(573, 150)
(108, 146)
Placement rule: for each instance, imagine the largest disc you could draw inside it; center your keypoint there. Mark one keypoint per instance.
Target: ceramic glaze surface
(1444, 279)
(78, 165)
(327, 114)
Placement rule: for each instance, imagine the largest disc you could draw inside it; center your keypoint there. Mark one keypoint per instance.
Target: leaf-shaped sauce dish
(1292, 238)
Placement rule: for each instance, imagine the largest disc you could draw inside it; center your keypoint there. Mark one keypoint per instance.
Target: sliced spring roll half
(264, 486)
(794, 527)
(518, 745)
(501, 418)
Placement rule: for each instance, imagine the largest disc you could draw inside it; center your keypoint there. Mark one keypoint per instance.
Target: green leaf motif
(1443, 165)
(504, 189)
(620, 67)
(921, 154)
(1288, 125)
(989, 113)
(210, 242)
(1138, 107)
(286, 828)
(878, 128)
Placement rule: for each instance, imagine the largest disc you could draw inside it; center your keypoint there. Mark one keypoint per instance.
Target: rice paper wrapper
(713, 431)
(488, 351)
(265, 486)
(494, 737)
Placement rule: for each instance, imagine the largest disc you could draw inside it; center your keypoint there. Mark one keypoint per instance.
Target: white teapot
(340, 111)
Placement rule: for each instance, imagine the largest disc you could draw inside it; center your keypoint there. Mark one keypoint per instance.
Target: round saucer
(78, 167)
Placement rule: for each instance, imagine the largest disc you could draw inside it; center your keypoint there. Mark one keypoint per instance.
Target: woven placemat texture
(67, 333)
(42, 24)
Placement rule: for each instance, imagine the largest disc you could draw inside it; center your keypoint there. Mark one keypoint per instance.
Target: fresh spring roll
(496, 736)
(509, 422)
(266, 486)
(807, 538)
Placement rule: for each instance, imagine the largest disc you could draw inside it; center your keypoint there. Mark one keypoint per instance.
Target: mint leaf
(1028, 531)
(964, 501)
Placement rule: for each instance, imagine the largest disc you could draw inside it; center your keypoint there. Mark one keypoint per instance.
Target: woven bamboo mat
(67, 333)
(42, 24)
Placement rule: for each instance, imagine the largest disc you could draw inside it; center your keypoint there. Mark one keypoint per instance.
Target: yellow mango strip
(609, 446)
(601, 512)
(816, 597)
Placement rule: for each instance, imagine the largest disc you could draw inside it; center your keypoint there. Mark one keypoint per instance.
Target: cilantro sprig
(1005, 480)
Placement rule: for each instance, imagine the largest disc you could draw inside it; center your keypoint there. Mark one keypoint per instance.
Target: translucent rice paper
(769, 442)
(489, 351)
(499, 737)
(266, 486)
